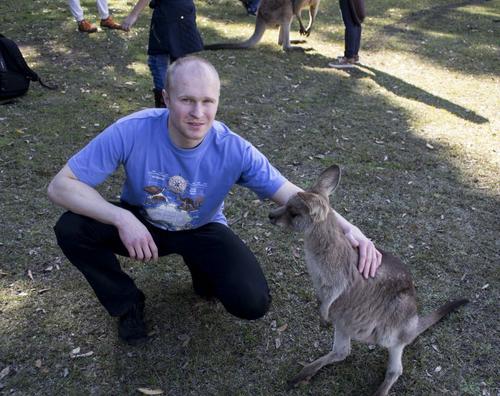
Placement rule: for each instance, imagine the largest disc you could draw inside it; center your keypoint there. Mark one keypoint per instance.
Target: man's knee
(249, 306)
(68, 229)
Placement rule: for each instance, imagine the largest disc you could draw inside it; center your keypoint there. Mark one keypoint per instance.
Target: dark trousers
(221, 265)
(352, 30)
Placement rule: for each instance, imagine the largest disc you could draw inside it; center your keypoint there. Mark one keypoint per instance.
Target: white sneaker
(342, 63)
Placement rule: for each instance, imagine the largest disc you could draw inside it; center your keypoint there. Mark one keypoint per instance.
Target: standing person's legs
(252, 7)
(84, 26)
(224, 267)
(76, 9)
(352, 31)
(158, 65)
(357, 40)
(102, 9)
(106, 20)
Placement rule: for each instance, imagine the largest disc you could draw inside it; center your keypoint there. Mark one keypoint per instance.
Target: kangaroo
(382, 310)
(276, 13)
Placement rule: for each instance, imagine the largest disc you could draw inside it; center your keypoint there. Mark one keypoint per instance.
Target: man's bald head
(191, 66)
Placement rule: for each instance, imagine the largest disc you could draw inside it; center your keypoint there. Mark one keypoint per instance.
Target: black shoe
(131, 326)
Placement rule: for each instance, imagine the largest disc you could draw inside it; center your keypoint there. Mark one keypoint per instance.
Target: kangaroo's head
(310, 207)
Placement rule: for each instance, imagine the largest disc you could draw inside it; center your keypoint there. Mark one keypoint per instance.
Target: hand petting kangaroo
(381, 310)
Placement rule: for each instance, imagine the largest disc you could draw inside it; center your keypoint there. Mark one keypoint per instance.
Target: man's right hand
(136, 238)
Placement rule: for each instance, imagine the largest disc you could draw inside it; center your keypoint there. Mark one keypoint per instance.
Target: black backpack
(15, 74)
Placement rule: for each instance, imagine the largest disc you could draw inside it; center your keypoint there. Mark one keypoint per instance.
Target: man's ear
(166, 98)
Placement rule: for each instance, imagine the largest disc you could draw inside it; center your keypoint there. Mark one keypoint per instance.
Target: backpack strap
(51, 87)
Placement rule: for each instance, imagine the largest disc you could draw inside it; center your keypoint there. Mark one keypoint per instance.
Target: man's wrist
(120, 217)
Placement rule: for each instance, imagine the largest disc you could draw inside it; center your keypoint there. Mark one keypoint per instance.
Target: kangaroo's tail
(427, 321)
(260, 28)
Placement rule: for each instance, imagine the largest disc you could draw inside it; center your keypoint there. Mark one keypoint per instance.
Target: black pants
(352, 33)
(221, 265)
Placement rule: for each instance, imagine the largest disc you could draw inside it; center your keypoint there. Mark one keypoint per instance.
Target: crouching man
(179, 164)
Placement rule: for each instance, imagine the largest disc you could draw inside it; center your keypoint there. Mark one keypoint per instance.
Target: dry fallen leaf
(38, 363)
(80, 355)
(30, 275)
(277, 342)
(281, 329)
(147, 391)
(185, 338)
(75, 351)
(4, 373)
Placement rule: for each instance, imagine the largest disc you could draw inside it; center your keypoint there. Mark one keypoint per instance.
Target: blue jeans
(158, 65)
(352, 30)
(252, 6)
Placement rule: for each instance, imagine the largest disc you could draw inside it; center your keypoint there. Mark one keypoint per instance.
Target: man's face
(192, 99)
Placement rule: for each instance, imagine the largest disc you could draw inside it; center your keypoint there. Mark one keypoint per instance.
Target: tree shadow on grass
(406, 90)
(438, 32)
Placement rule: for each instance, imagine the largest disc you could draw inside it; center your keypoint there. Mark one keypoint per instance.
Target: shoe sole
(337, 66)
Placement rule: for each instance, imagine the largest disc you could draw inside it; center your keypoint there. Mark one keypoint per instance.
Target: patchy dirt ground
(415, 129)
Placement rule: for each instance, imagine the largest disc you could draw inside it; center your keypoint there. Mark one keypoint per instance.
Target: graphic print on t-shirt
(173, 203)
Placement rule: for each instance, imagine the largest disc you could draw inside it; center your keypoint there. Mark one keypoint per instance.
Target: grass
(415, 130)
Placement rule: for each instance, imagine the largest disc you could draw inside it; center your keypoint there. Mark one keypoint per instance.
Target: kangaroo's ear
(315, 205)
(328, 181)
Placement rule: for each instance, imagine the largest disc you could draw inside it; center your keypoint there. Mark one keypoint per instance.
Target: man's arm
(134, 14)
(369, 257)
(70, 193)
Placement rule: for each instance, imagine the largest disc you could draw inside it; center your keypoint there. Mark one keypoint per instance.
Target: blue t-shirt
(177, 188)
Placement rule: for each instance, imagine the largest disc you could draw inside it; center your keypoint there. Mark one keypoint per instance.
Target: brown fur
(381, 310)
(276, 13)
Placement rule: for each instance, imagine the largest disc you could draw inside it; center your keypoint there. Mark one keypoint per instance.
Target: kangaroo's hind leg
(280, 35)
(341, 349)
(394, 370)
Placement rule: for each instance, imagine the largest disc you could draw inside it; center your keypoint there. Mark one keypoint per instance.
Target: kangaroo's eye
(293, 214)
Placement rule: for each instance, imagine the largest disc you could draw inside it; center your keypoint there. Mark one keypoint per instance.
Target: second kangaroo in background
(276, 13)
(382, 310)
